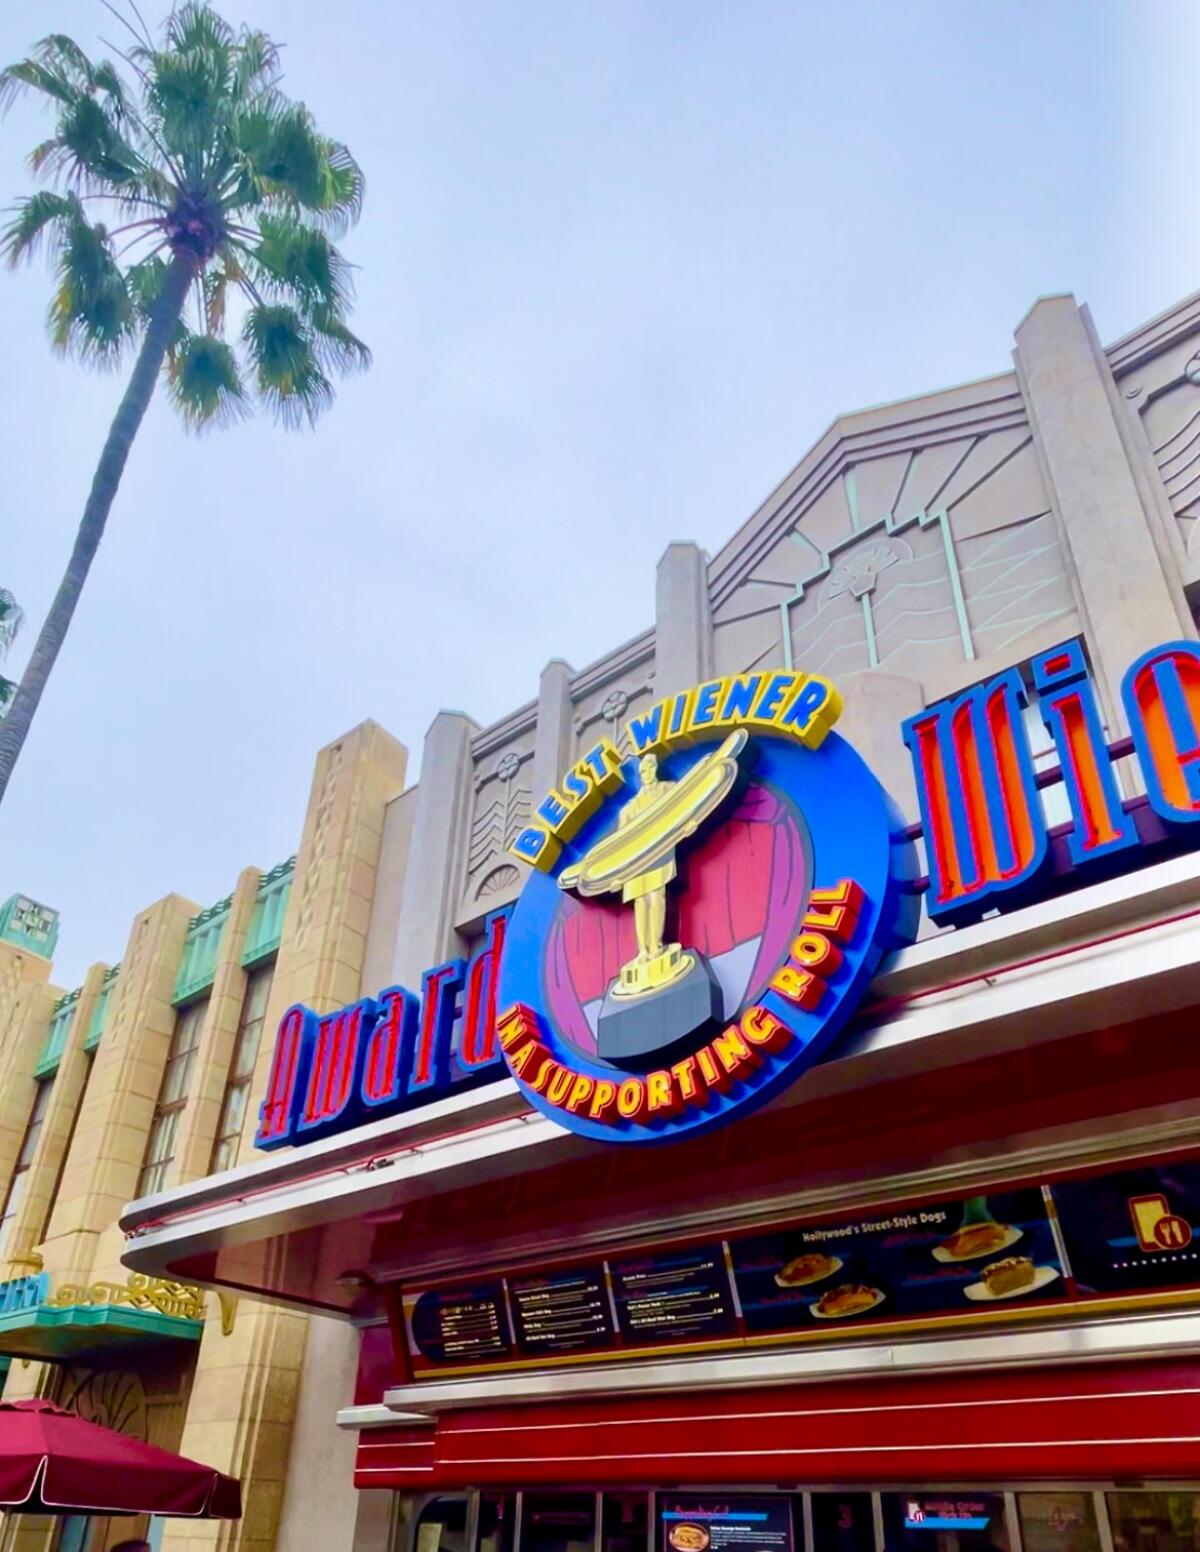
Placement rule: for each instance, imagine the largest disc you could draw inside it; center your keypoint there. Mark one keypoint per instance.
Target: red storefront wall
(1098, 1421)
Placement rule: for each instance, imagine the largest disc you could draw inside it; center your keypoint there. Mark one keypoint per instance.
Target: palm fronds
(185, 148)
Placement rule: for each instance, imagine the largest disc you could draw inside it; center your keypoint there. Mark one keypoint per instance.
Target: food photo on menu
(938, 1258)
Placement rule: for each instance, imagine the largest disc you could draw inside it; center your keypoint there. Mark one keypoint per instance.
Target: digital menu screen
(1136, 1229)
(716, 1523)
(561, 1312)
(980, 1252)
(678, 1293)
(461, 1325)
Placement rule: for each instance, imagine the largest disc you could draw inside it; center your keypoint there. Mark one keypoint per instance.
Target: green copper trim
(266, 920)
(26, 924)
(199, 963)
(888, 524)
(56, 1035)
(100, 1010)
(850, 486)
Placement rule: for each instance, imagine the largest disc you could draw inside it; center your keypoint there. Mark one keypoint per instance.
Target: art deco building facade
(917, 549)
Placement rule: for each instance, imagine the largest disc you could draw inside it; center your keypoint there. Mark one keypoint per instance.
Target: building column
(247, 1383)
(26, 1006)
(554, 739)
(210, 1066)
(1109, 531)
(29, 1011)
(683, 638)
(425, 933)
(106, 1155)
(54, 1140)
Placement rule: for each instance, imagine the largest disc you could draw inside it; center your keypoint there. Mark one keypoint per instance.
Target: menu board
(979, 1252)
(562, 1312)
(678, 1293)
(717, 1523)
(461, 1325)
(1136, 1229)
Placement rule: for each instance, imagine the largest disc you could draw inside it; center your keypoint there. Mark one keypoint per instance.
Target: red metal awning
(54, 1462)
(1126, 1420)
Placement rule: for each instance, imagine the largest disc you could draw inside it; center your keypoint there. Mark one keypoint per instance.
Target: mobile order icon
(1156, 1226)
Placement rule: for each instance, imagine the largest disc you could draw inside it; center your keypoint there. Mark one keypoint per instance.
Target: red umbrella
(52, 1461)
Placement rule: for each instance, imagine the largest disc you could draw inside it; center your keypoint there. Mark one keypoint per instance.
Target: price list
(561, 1313)
(676, 1294)
(462, 1325)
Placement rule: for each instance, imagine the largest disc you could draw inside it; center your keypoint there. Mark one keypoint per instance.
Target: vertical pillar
(425, 933)
(29, 1011)
(683, 639)
(1129, 600)
(54, 1139)
(106, 1154)
(210, 1066)
(552, 751)
(246, 1388)
(321, 1451)
(26, 1005)
(876, 705)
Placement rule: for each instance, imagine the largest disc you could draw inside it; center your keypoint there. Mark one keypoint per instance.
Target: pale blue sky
(621, 264)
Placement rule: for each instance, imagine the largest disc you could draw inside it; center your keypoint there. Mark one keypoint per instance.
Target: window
(20, 1174)
(74, 1533)
(241, 1069)
(1058, 1522)
(843, 1522)
(172, 1098)
(1155, 1522)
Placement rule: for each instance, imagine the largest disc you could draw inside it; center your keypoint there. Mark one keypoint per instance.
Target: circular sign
(701, 939)
(1173, 1232)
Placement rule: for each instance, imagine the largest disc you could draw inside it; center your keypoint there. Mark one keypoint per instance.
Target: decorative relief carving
(905, 561)
(112, 1397)
(184, 1301)
(502, 807)
(322, 821)
(499, 881)
(1163, 394)
(605, 715)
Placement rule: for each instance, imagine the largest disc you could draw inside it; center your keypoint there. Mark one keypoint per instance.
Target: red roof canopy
(52, 1461)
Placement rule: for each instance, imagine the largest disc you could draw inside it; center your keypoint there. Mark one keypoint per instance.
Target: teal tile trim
(116, 1322)
(100, 1011)
(266, 920)
(56, 1035)
(26, 924)
(199, 961)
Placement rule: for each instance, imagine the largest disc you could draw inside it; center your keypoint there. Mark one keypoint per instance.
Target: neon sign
(387, 1053)
(694, 939)
(704, 915)
(984, 829)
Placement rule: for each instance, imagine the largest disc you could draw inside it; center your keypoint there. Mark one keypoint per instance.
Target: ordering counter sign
(1013, 1254)
(703, 915)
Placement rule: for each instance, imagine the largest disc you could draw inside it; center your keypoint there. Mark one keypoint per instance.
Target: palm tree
(184, 184)
(11, 620)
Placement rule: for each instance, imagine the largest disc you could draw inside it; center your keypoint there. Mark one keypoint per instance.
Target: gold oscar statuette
(638, 858)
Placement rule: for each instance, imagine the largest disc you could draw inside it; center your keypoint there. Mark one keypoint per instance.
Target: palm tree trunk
(159, 329)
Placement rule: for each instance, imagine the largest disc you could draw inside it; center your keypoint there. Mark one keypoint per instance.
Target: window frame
(14, 1193)
(172, 1098)
(240, 1076)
